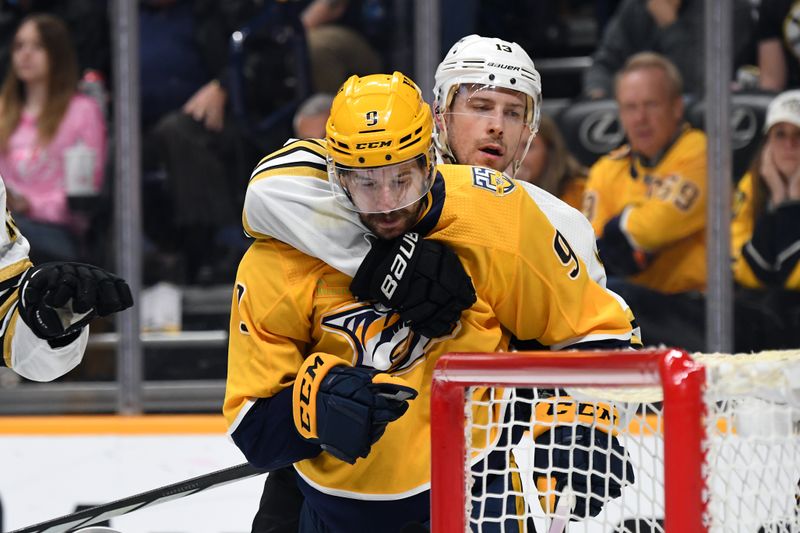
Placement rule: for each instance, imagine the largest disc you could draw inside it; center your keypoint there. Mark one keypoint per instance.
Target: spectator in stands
(766, 231)
(778, 47)
(191, 147)
(87, 21)
(336, 47)
(673, 28)
(52, 139)
(310, 118)
(549, 165)
(646, 202)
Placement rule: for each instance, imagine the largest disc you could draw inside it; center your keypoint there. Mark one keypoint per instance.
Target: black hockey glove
(587, 459)
(617, 254)
(346, 409)
(58, 299)
(423, 280)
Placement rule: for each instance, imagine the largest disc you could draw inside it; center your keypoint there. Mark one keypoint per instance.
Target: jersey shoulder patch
(492, 180)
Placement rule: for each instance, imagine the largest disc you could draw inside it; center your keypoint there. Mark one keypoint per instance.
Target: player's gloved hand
(616, 252)
(423, 280)
(588, 460)
(57, 299)
(346, 409)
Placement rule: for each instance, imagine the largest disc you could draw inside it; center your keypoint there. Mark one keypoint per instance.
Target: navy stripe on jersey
(600, 344)
(436, 198)
(298, 164)
(532, 345)
(340, 515)
(267, 435)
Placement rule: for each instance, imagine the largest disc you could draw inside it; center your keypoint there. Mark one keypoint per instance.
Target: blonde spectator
(549, 165)
(52, 139)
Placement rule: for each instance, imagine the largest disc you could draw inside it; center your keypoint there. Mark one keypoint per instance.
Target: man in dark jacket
(673, 28)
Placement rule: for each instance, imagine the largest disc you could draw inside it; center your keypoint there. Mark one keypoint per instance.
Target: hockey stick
(99, 513)
(562, 512)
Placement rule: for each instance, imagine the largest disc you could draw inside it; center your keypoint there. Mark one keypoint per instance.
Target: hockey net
(713, 441)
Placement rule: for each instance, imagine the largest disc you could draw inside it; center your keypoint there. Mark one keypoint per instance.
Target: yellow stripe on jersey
(8, 300)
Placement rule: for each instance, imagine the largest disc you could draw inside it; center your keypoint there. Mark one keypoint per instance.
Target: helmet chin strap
(516, 163)
(441, 138)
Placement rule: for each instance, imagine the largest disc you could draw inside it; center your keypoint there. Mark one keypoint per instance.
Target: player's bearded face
(387, 198)
(485, 126)
(394, 223)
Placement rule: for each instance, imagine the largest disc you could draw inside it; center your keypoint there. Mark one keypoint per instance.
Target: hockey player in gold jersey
(647, 202)
(307, 338)
(487, 94)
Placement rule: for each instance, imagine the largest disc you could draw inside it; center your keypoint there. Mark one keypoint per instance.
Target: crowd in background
(212, 105)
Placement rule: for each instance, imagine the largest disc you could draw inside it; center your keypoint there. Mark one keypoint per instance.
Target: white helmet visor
(513, 108)
(381, 189)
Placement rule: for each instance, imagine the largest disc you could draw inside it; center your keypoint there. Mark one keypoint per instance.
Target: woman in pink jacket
(52, 139)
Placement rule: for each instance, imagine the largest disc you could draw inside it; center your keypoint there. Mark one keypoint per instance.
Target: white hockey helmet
(491, 62)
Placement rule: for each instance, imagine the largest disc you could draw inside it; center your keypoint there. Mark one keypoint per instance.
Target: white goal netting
(527, 450)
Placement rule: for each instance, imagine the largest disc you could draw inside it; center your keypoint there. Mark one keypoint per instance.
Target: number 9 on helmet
(380, 147)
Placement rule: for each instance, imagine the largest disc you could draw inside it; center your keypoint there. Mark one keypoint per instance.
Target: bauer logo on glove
(421, 279)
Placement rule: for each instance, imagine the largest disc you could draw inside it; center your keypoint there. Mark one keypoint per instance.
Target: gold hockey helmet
(380, 147)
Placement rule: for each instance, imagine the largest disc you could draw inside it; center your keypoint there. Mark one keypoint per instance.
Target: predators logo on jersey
(492, 181)
(378, 337)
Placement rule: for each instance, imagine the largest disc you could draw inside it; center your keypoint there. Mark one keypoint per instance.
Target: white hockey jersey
(28, 355)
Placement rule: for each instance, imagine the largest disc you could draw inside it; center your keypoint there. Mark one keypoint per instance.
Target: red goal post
(688, 406)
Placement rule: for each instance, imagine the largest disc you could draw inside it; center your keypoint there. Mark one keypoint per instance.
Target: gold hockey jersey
(529, 281)
(765, 248)
(662, 210)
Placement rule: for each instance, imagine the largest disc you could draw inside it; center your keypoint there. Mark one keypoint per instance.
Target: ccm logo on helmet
(399, 264)
(373, 144)
(504, 67)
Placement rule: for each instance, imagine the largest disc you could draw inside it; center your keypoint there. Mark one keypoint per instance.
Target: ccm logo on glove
(346, 409)
(304, 393)
(399, 264)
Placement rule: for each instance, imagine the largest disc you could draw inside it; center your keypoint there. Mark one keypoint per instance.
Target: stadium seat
(591, 128)
(748, 111)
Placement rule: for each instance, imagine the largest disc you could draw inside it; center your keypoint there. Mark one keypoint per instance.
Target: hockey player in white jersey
(44, 309)
(487, 103)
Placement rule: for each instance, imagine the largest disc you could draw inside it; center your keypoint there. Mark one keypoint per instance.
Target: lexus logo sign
(744, 126)
(600, 132)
